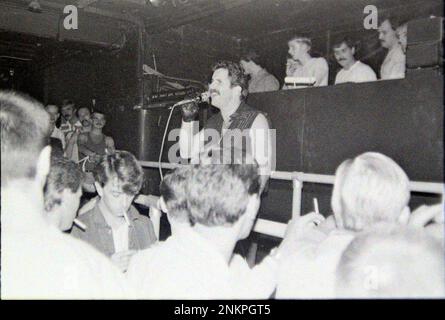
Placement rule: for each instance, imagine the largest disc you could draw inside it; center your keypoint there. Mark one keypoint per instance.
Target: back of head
(122, 165)
(218, 191)
(392, 261)
(368, 189)
(24, 133)
(63, 175)
(173, 191)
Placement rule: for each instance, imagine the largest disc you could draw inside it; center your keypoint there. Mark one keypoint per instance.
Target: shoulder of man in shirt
(95, 275)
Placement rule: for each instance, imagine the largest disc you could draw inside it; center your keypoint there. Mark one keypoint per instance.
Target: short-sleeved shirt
(394, 65)
(263, 82)
(358, 72)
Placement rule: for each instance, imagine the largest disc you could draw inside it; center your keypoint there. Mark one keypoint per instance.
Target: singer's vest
(240, 123)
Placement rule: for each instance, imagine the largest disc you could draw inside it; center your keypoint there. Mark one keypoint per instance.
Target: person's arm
(263, 146)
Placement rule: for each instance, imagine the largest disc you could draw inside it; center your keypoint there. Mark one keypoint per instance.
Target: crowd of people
(372, 246)
(302, 69)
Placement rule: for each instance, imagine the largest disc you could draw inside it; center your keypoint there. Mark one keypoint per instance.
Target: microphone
(200, 97)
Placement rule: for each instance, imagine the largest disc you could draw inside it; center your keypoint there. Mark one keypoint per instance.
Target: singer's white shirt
(191, 142)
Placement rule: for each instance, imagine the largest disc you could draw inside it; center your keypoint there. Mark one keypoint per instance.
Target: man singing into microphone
(237, 125)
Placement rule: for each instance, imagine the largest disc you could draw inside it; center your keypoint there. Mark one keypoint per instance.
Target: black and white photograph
(224, 155)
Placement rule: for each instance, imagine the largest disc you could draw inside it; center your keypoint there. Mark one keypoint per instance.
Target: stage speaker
(425, 47)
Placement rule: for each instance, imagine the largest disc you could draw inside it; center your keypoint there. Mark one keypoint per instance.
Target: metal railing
(272, 228)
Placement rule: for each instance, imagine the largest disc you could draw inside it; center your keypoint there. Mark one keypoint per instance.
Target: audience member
(95, 144)
(369, 189)
(299, 48)
(260, 80)
(39, 261)
(69, 118)
(429, 218)
(84, 116)
(114, 226)
(352, 70)
(402, 32)
(393, 67)
(292, 70)
(62, 193)
(391, 261)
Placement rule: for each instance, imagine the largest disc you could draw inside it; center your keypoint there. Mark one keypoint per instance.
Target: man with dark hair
(114, 226)
(393, 67)
(38, 261)
(260, 80)
(236, 125)
(62, 192)
(83, 125)
(353, 70)
(369, 189)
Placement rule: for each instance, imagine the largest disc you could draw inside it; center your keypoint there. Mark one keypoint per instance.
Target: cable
(163, 141)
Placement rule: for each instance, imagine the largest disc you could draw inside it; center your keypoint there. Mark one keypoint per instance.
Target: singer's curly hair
(236, 74)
